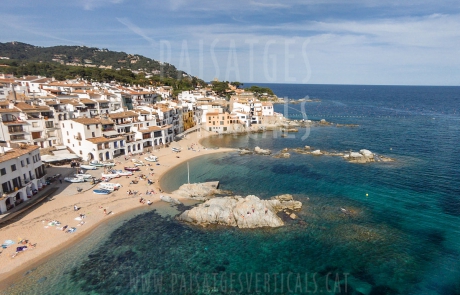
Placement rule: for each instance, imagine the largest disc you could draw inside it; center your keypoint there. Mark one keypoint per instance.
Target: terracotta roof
(106, 121)
(87, 121)
(4, 103)
(30, 108)
(50, 102)
(97, 140)
(102, 101)
(16, 152)
(13, 110)
(87, 101)
(123, 115)
(150, 129)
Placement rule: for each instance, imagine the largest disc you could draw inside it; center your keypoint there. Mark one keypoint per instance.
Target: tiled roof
(123, 115)
(87, 121)
(150, 129)
(97, 140)
(16, 152)
(87, 101)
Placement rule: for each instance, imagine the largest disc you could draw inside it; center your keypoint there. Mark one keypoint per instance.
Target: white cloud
(92, 4)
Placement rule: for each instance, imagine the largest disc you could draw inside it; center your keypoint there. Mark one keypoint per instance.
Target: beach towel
(7, 243)
(71, 230)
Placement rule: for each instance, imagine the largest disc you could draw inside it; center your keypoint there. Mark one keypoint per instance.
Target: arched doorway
(17, 199)
(138, 146)
(9, 203)
(90, 157)
(107, 155)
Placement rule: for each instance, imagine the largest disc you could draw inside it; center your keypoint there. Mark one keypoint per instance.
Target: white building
(22, 175)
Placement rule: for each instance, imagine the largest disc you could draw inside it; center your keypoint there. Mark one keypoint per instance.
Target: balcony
(13, 130)
(17, 137)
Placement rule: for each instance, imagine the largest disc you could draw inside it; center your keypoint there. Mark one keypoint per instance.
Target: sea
(375, 228)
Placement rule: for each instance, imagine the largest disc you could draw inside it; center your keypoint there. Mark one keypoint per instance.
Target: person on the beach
(64, 228)
(75, 208)
(105, 211)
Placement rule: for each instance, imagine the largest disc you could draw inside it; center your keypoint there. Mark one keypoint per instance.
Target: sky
(392, 42)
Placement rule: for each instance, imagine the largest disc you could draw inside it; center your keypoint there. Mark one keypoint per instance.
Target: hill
(86, 56)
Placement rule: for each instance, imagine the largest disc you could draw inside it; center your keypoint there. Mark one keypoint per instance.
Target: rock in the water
(170, 200)
(249, 212)
(198, 191)
(258, 150)
(316, 152)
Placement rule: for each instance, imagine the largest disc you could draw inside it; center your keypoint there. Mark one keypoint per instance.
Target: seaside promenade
(34, 224)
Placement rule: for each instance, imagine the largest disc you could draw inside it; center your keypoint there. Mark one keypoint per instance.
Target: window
(97, 126)
(27, 161)
(221, 122)
(3, 171)
(87, 127)
(62, 125)
(22, 163)
(68, 140)
(67, 132)
(81, 153)
(71, 127)
(79, 143)
(93, 134)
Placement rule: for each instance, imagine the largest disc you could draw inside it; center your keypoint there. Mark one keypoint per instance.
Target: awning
(110, 133)
(57, 158)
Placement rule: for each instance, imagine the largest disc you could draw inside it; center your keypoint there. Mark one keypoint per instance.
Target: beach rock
(282, 155)
(237, 211)
(307, 147)
(316, 152)
(245, 152)
(198, 191)
(260, 151)
(170, 200)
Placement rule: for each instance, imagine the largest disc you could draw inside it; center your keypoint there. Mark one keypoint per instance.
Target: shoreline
(118, 204)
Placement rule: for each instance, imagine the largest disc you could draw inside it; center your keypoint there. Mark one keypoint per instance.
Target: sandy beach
(35, 226)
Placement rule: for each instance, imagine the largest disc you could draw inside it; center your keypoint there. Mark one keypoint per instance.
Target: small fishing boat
(137, 162)
(74, 179)
(132, 169)
(151, 158)
(101, 164)
(88, 167)
(176, 150)
(110, 175)
(102, 191)
(122, 173)
(84, 176)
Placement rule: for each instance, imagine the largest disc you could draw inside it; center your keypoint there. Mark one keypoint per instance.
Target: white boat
(101, 164)
(176, 150)
(84, 176)
(137, 162)
(74, 179)
(110, 175)
(151, 158)
(88, 167)
(102, 191)
(123, 173)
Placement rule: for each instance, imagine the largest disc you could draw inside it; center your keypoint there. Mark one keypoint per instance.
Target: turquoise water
(401, 236)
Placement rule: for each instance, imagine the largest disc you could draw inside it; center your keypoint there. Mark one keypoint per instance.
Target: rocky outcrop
(198, 191)
(248, 212)
(170, 200)
(260, 151)
(282, 155)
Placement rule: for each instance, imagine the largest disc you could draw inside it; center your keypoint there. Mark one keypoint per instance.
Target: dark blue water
(402, 236)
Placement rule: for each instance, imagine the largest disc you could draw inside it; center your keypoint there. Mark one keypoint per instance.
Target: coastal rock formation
(170, 200)
(282, 155)
(249, 212)
(316, 152)
(260, 151)
(198, 191)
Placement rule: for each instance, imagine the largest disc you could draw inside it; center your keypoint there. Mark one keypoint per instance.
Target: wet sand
(34, 224)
